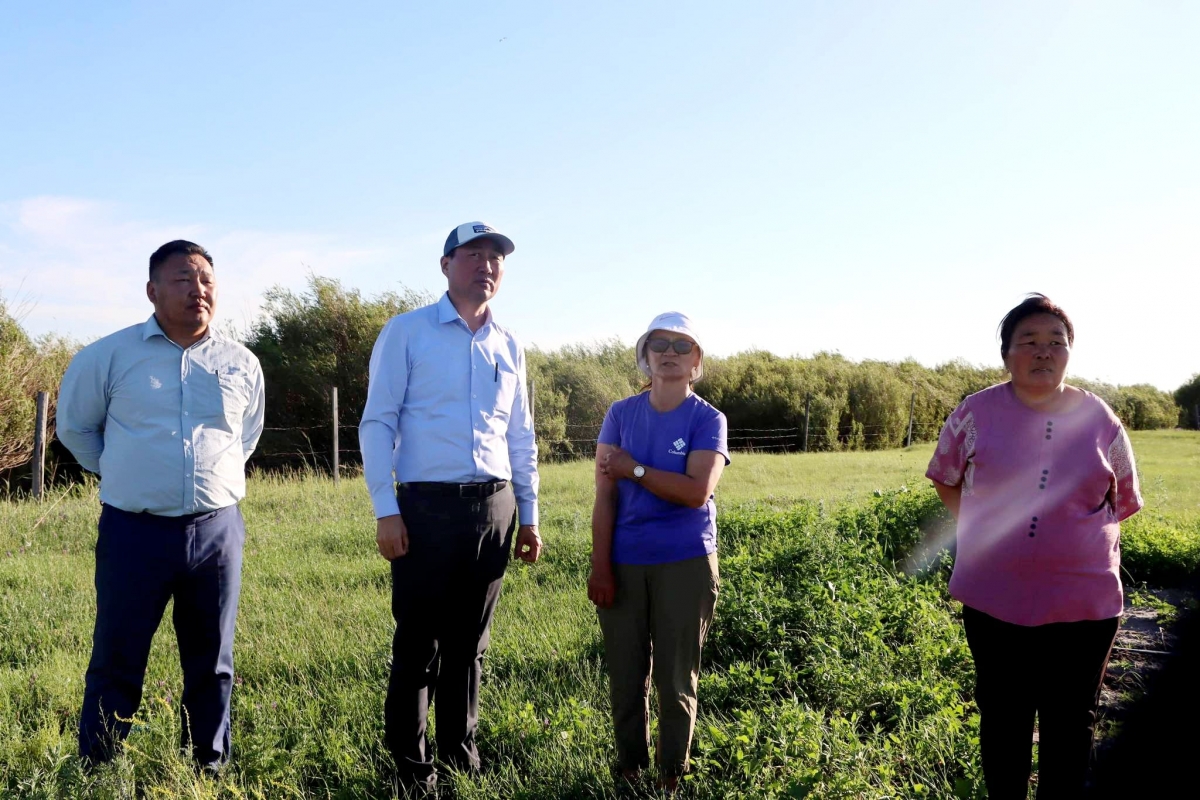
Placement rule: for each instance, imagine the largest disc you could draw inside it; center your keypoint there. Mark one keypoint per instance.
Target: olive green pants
(656, 626)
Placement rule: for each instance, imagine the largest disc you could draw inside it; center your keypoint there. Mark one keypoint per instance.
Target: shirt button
(472, 397)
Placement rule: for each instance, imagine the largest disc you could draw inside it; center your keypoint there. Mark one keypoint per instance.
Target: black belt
(475, 490)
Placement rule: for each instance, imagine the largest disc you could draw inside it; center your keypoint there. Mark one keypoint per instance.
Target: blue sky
(880, 179)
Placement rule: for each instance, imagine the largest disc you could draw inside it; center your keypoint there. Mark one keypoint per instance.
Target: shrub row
(322, 337)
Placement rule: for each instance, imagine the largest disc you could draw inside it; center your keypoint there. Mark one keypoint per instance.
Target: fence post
(912, 404)
(336, 469)
(804, 443)
(39, 445)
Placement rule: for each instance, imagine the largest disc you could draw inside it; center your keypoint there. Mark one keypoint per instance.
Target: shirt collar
(448, 313)
(152, 329)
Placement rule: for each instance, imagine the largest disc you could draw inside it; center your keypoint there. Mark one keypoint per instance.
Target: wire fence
(580, 442)
(322, 447)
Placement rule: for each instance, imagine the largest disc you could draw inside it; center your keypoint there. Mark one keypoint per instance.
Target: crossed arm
(691, 488)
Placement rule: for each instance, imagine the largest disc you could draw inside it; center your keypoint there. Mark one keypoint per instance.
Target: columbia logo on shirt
(678, 444)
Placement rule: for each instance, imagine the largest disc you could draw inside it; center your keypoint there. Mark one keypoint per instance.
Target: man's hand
(529, 544)
(391, 536)
(601, 586)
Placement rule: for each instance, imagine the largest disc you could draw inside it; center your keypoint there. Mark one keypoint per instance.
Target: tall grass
(829, 672)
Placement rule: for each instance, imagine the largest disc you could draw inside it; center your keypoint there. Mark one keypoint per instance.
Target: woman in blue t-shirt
(654, 546)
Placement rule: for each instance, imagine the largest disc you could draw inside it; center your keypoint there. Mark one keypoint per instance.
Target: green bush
(1141, 407)
(1187, 397)
(1159, 550)
(307, 343)
(27, 366)
(826, 663)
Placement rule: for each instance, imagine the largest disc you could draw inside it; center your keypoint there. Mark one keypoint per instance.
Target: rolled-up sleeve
(522, 450)
(377, 432)
(83, 408)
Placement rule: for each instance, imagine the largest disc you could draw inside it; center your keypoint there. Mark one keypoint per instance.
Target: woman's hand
(617, 464)
(601, 586)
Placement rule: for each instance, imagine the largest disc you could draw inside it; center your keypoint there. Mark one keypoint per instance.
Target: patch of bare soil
(1149, 697)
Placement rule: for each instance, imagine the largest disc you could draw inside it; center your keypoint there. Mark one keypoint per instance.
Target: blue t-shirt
(650, 530)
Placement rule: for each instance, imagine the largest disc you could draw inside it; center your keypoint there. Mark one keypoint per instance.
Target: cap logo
(482, 229)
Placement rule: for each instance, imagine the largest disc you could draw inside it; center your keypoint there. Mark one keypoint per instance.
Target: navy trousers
(444, 593)
(142, 561)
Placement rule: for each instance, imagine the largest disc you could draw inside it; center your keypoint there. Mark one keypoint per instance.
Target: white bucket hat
(674, 322)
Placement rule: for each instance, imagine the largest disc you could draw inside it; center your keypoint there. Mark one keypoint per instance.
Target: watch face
(639, 471)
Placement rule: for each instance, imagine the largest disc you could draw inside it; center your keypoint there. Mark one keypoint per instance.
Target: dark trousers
(1052, 671)
(142, 561)
(444, 592)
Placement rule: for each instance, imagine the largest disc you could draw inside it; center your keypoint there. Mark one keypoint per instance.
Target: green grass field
(828, 673)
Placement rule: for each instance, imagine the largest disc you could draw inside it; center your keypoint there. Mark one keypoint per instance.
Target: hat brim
(506, 244)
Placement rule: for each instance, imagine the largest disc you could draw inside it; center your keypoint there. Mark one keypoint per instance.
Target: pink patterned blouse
(1043, 495)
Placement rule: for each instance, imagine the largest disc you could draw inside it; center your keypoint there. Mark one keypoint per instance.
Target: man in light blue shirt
(448, 419)
(167, 412)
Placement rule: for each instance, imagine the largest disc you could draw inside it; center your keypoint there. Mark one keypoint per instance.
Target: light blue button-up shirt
(168, 429)
(447, 405)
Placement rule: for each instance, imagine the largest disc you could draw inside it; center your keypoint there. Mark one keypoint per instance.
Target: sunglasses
(680, 346)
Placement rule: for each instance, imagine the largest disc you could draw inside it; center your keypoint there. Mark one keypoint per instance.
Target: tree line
(321, 337)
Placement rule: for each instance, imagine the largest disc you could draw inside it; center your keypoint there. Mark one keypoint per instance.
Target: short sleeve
(610, 431)
(1126, 495)
(712, 433)
(951, 462)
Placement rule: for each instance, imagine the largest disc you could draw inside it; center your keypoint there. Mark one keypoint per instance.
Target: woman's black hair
(1034, 303)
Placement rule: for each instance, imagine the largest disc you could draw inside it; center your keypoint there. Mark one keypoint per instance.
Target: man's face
(474, 270)
(184, 293)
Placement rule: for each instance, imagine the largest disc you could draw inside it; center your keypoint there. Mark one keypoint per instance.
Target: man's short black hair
(177, 247)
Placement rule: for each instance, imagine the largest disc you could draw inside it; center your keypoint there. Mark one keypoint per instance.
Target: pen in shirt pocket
(496, 374)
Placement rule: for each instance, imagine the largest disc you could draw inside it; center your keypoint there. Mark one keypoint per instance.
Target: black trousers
(444, 593)
(142, 561)
(1052, 671)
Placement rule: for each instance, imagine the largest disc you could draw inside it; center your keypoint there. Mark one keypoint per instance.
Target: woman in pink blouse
(1039, 475)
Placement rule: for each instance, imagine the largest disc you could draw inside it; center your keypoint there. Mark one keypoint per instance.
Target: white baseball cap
(470, 231)
(674, 322)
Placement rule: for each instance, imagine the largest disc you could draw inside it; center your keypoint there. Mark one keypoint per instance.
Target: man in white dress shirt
(447, 418)
(167, 412)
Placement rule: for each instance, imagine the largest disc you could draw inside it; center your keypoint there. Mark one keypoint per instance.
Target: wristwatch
(639, 472)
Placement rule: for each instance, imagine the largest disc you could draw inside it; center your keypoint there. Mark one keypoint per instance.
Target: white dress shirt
(447, 405)
(168, 429)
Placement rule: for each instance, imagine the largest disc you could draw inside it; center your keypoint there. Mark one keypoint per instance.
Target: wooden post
(39, 445)
(912, 404)
(804, 442)
(336, 469)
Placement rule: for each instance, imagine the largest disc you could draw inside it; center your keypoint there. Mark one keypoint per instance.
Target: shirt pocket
(223, 399)
(505, 386)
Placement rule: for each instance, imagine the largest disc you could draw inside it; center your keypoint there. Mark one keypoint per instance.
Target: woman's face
(670, 365)
(1038, 353)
